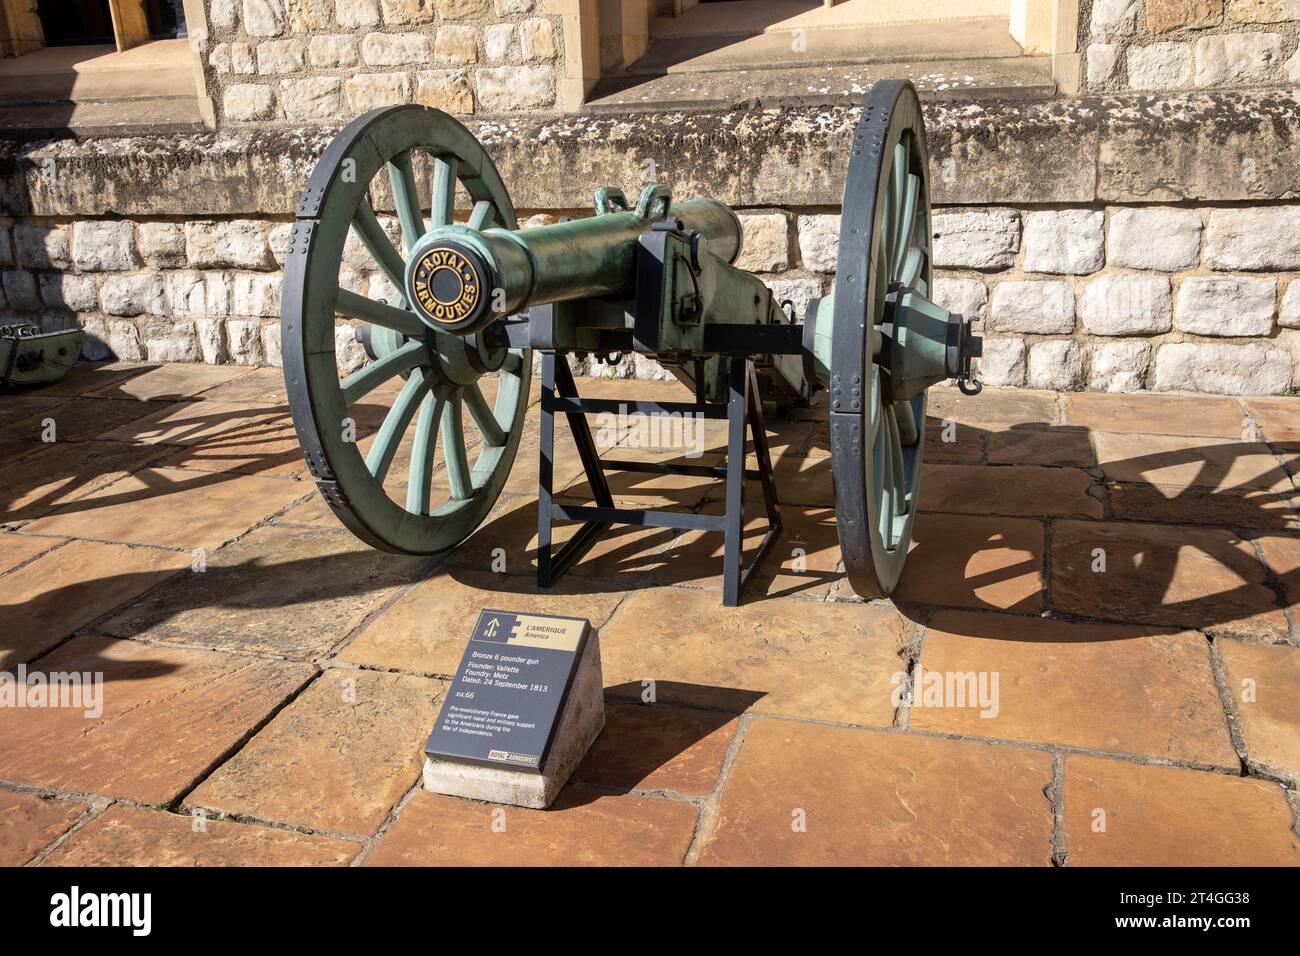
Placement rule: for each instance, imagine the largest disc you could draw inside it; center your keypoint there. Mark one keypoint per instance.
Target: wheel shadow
(1185, 533)
(1225, 510)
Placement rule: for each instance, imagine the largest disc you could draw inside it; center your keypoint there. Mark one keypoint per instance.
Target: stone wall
(1118, 299)
(1108, 299)
(303, 61)
(1162, 45)
(1109, 243)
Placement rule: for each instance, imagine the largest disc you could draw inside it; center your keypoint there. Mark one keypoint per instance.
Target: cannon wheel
(440, 373)
(876, 443)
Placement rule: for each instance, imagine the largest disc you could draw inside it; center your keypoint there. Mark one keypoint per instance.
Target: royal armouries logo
(446, 285)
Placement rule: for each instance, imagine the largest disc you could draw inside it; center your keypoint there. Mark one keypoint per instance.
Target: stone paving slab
(804, 560)
(67, 588)
(1277, 416)
(584, 827)
(721, 722)
(17, 549)
(168, 714)
(129, 836)
(1062, 445)
(1170, 576)
(1104, 687)
(291, 593)
(77, 419)
(424, 631)
(1257, 509)
(337, 758)
(29, 823)
(1282, 555)
(787, 656)
(508, 539)
(163, 383)
(55, 474)
(1262, 679)
(1027, 490)
(85, 378)
(659, 747)
(980, 562)
(1178, 462)
(995, 409)
(802, 794)
(1127, 814)
(1145, 414)
(172, 508)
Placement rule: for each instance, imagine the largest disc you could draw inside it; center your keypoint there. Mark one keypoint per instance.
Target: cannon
(468, 302)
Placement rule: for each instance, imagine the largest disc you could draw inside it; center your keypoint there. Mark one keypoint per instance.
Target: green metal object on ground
(467, 301)
(29, 356)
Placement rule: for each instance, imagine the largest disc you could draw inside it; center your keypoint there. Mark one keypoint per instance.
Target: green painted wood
(379, 246)
(419, 477)
(380, 457)
(401, 178)
(878, 474)
(365, 380)
(335, 197)
(443, 200)
(484, 421)
(380, 313)
(907, 226)
(453, 449)
(482, 216)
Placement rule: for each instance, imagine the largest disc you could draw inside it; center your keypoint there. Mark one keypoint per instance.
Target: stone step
(95, 87)
(988, 38)
(948, 80)
(154, 115)
(775, 16)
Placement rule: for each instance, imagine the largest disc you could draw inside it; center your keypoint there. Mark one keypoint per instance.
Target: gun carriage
(472, 300)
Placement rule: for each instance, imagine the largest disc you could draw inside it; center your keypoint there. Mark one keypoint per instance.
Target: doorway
(75, 22)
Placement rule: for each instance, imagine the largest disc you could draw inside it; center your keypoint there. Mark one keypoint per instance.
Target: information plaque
(502, 706)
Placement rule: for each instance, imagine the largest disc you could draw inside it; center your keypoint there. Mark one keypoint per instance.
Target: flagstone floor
(1116, 575)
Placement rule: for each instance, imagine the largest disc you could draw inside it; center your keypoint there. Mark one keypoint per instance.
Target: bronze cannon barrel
(563, 261)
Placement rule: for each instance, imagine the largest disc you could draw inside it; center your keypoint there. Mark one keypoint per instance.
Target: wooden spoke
(453, 449)
(421, 369)
(512, 363)
(483, 215)
(910, 275)
(361, 383)
(906, 417)
(378, 245)
(484, 419)
(907, 225)
(898, 484)
(898, 192)
(884, 476)
(395, 424)
(380, 313)
(419, 477)
(443, 200)
(401, 177)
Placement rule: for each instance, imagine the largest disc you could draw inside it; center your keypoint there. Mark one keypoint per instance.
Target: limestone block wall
(1107, 299)
(305, 61)
(1162, 297)
(1164, 45)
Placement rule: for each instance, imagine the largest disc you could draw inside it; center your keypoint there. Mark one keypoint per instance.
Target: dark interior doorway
(75, 22)
(166, 19)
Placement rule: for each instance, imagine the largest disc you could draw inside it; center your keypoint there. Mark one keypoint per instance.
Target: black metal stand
(742, 409)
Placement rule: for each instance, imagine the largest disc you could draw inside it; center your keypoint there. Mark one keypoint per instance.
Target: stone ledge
(1201, 147)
